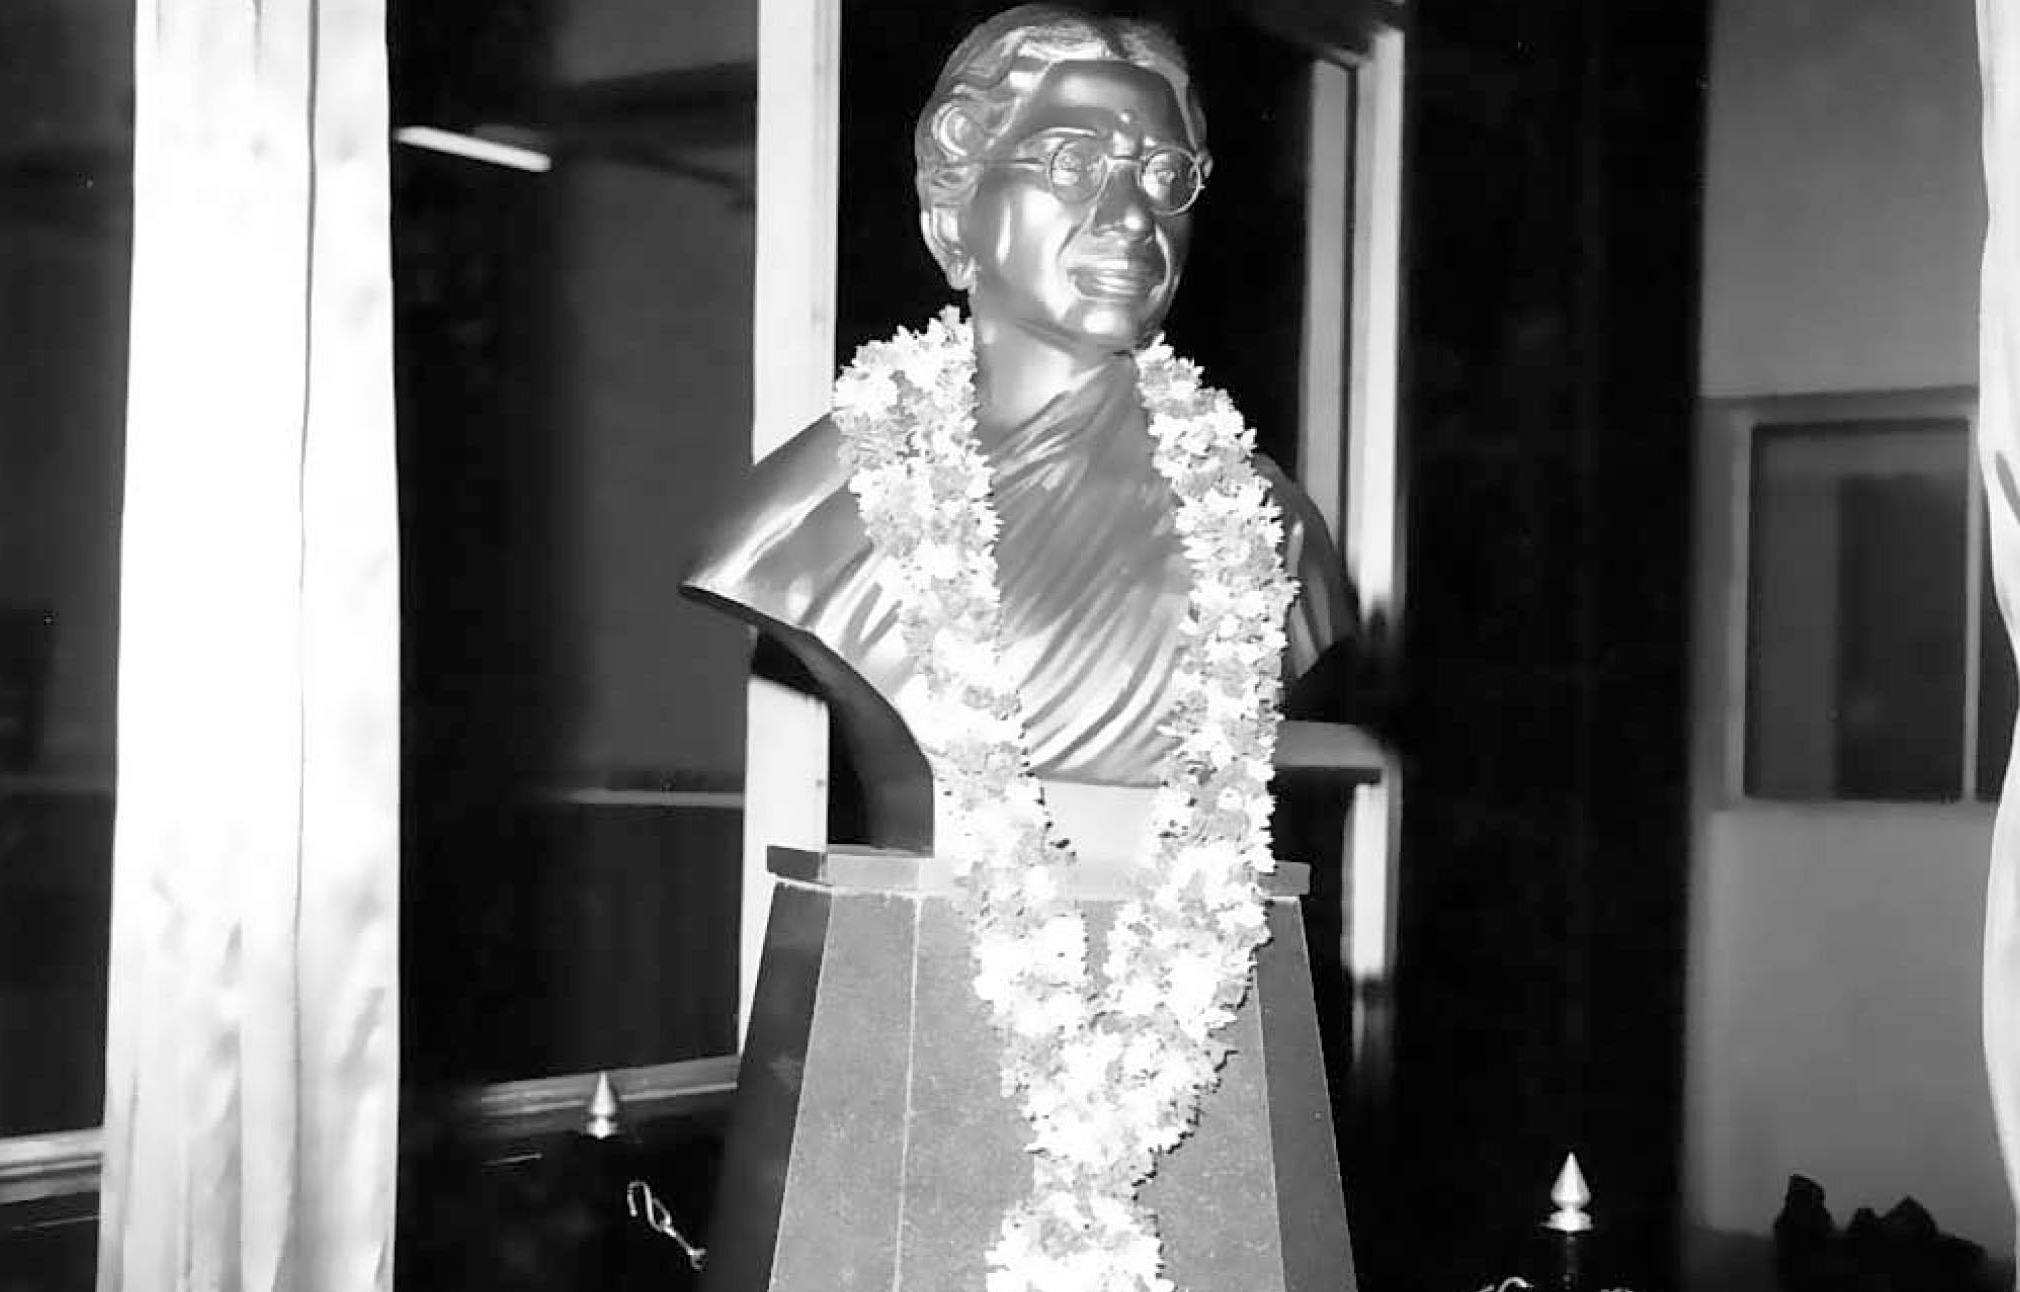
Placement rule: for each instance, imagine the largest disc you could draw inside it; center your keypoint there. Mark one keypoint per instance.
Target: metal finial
(603, 1109)
(1571, 1195)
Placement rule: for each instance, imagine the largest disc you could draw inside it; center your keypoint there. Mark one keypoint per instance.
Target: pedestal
(872, 1148)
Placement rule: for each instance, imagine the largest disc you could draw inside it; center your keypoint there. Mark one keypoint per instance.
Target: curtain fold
(1999, 461)
(252, 1060)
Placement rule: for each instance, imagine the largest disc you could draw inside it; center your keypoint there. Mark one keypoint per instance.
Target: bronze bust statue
(1057, 162)
(1065, 571)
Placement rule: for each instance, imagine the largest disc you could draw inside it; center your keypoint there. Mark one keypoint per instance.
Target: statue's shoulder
(1285, 490)
(792, 504)
(809, 461)
(1304, 525)
(1326, 610)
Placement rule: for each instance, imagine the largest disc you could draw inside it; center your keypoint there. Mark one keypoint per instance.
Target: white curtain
(251, 1076)
(1999, 458)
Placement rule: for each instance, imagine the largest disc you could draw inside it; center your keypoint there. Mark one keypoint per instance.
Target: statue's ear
(940, 223)
(959, 138)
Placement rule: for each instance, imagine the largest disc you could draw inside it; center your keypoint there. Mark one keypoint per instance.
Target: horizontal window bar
(68, 1163)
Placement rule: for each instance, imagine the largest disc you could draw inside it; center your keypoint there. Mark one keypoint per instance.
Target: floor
(1721, 1262)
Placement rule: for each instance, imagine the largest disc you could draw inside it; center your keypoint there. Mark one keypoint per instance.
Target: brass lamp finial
(1572, 1196)
(603, 1109)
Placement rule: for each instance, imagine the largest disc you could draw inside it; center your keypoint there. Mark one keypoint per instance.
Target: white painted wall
(1834, 950)
(1835, 1020)
(1843, 202)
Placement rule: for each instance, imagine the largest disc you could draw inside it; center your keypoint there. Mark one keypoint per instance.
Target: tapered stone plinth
(872, 1147)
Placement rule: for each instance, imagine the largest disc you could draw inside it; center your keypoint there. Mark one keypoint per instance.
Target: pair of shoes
(1901, 1251)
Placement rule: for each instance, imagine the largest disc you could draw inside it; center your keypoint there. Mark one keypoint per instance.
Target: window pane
(573, 351)
(66, 78)
(1857, 615)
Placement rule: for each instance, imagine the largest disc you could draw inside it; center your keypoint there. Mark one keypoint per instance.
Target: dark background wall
(1552, 235)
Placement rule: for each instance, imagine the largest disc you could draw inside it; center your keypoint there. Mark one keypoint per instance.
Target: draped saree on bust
(1092, 577)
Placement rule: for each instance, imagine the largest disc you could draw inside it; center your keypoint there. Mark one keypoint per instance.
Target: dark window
(573, 354)
(66, 139)
(1867, 668)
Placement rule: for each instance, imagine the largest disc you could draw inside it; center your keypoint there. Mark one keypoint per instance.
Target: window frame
(1350, 430)
(1731, 428)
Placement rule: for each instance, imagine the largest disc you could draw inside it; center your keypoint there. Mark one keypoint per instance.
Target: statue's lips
(1116, 280)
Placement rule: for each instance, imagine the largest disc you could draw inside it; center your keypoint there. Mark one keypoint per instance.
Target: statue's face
(1094, 271)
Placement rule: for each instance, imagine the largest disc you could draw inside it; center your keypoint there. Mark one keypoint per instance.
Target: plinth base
(872, 1148)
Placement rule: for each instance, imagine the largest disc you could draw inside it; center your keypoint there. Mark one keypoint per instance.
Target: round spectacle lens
(1170, 180)
(1077, 169)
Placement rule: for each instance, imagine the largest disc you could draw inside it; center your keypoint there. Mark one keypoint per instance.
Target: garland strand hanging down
(1109, 1070)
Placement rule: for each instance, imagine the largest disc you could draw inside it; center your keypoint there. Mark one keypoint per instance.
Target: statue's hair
(990, 73)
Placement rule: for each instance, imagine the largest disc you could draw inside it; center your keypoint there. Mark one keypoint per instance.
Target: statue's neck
(1019, 371)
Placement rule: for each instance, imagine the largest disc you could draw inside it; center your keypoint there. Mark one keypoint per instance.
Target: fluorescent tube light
(476, 149)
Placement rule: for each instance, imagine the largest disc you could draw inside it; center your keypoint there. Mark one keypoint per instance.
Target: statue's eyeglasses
(1077, 169)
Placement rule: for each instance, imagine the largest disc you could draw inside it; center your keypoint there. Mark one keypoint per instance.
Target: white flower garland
(1108, 1074)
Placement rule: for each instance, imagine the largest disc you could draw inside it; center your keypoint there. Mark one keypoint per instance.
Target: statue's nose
(1121, 204)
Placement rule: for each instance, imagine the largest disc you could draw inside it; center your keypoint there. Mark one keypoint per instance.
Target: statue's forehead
(1104, 96)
